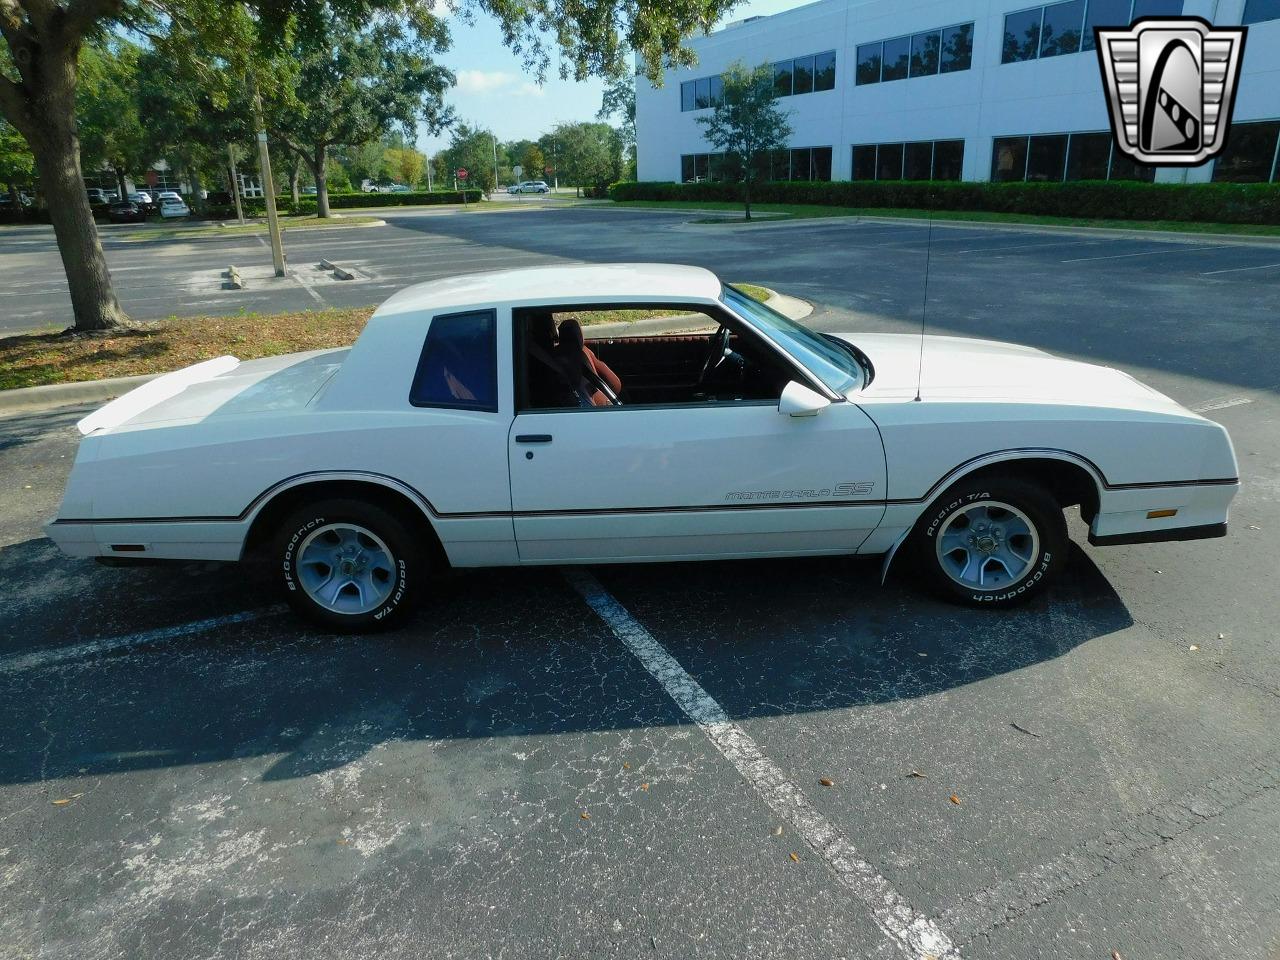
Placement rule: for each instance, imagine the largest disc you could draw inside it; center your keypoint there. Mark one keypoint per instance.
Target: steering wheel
(715, 357)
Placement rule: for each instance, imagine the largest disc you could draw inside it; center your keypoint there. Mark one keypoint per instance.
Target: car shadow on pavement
(495, 654)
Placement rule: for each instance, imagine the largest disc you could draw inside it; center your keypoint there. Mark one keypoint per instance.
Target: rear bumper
(1207, 531)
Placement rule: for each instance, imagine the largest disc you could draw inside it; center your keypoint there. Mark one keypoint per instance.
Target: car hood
(960, 368)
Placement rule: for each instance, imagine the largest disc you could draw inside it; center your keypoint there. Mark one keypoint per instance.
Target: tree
(16, 162)
(111, 131)
(533, 162)
(746, 123)
(407, 164)
(471, 149)
(354, 86)
(619, 102)
(590, 154)
(42, 41)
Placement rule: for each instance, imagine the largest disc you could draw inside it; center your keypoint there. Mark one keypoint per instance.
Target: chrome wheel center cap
(986, 544)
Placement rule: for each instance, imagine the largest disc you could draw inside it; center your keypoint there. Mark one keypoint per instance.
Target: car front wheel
(992, 542)
(348, 565)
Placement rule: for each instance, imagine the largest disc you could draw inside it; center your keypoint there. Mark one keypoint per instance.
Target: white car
(532, 186)
(455, 431)
(172, 207)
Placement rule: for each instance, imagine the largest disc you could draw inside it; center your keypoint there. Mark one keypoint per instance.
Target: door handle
(533, 438)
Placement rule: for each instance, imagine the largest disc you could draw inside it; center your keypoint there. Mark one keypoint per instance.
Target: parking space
(623, 761)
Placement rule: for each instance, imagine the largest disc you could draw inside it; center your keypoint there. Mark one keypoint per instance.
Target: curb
(31, 399)
(34, 399)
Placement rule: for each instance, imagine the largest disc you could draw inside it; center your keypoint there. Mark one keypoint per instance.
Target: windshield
(836, 368)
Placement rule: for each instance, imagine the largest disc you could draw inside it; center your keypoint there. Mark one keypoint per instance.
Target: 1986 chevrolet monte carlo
(471, 425)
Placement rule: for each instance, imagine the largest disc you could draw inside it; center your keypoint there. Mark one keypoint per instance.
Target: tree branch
(83, 14)
(13, 106)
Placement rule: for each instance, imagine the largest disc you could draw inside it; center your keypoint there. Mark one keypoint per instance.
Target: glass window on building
(1060, 31)
(800, 163)
(957, 48)
(1255, 11)
(864, 162)
(1156, 8)
(1008, 159)
(918, 161)
(897, 56)
(688, 169)
(889, 161)
(686, 95)
(821, 158)
(1021, 35)
(869, 60)
(1122, 168)
(702, 93)
(782, 78)
(717, 90)
(802, 72)
(948, 159)
(1104, 13)
(1250, 154)
(1088, 156)
(924, 53)
(1047, 158)
(824, 71)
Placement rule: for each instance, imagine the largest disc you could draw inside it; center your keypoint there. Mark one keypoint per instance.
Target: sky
(494, 92)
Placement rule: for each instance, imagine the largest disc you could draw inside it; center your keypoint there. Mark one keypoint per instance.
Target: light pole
(495, 160)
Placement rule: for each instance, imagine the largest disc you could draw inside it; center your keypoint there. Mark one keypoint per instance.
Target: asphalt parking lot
(621, 762)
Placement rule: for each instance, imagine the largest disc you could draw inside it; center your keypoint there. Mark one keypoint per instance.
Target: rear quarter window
(458, 368)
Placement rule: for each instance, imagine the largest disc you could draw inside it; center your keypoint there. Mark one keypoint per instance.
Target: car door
(693, 481)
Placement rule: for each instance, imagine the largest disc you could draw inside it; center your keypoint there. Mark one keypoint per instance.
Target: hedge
(1115, 199)
(255, 207)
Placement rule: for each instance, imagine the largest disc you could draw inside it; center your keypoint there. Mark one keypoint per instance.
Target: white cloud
(484, 81)
(529, 90)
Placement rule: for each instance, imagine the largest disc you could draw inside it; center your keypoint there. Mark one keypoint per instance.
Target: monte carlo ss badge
(1171, 86)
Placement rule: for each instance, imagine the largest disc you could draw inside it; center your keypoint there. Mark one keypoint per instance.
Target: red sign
(462, 173)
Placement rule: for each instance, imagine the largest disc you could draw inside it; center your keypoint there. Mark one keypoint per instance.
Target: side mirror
(799, 401)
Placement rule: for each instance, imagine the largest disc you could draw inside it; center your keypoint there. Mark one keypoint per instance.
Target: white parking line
(48, 658)
(1262, 266)
(1169, 248)
(901, 923)
(1220, 403)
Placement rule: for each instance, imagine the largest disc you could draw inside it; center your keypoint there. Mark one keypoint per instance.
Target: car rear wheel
(991, 542)
(348, 565)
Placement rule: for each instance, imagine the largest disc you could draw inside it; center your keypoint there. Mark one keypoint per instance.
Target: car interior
(700, 357)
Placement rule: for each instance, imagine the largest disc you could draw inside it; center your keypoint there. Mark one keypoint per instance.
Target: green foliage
(533, 162)
(255, 207)
(16, 162)
(107, 118)
(1117, 199)
(407, 165)
(588, 155)
(745, 123)
(471, 149)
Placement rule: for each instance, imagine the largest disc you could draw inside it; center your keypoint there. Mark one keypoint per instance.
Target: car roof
(575, 283)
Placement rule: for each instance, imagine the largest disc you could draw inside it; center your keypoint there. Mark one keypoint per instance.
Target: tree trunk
(234, 183)
(197, 200)
(57, 153)
(120, 184)
(322, 187)
(293, 185)
(746, 197)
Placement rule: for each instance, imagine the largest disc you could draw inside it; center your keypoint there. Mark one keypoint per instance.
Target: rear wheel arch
(395, 501)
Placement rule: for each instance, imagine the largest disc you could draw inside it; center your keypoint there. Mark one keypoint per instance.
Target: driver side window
(633, 355)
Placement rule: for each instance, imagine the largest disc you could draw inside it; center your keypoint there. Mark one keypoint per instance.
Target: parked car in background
(96, 195)
(400, 188)
(533, 186)
(514, 188)
(754, 437)
(126, 211)
(167, 195)
(310, 191)
(376, 186)
(173, 207)
(141, 197)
